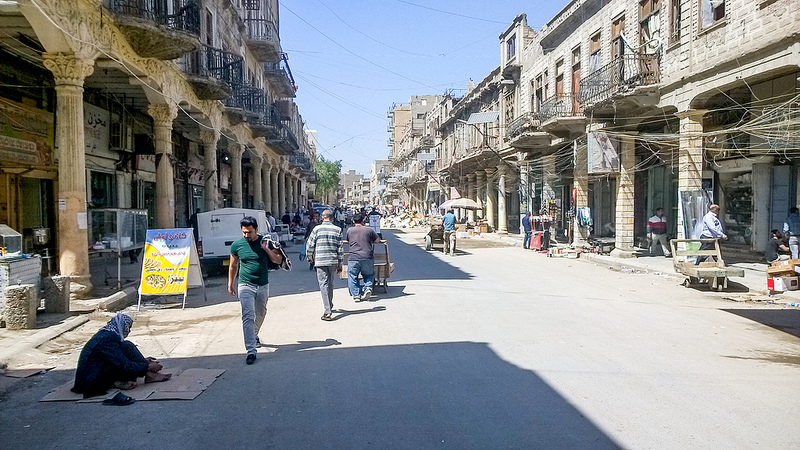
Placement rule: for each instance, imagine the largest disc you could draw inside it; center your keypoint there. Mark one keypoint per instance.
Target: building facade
(167, 106)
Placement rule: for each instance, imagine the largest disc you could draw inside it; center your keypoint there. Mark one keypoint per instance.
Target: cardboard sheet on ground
(184, 385)
(26, 371)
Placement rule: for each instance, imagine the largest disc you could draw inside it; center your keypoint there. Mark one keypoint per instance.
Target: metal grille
(181, 15)
(619, 75)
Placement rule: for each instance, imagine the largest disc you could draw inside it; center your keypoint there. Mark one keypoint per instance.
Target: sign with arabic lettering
(165, 269)
(26, 135)
(96, 131)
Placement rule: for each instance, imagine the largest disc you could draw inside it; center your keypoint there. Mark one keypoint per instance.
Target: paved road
(493, 348)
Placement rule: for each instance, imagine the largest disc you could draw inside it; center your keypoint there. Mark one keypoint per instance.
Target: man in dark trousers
(324, 250)
(248, 277)
(526, 227)
(362, 258)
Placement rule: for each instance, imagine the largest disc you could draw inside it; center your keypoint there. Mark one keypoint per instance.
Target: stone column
(690, 158)
(491, 196)
(209, 138)
(623, 243)
(480, 189)
(581, 184)
(502, 214)
(163, 116)
(73, 237)
(281, 191)
(471, 195)
(266, 191)
(236, 151)
(273, 187)
(258, 200)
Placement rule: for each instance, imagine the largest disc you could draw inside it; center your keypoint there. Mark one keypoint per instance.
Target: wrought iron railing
(252, 5)
(180, 15)
(280, 68)
(214, 63)
(619, 75)
(260, 29)
(248, 98)
(528, 122)
(560, 105)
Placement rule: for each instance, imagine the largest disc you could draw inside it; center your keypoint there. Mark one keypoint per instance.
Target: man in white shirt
(712, 229)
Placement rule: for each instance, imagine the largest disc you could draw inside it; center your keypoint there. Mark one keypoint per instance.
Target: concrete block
(56, 294)
(21, 302)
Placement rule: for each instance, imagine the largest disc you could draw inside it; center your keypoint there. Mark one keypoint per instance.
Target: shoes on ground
(367, 294)
(356, 299)
(327, 317)
(258, 342)
(251, 358)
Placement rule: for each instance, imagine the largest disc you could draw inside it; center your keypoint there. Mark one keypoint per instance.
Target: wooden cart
(714, 271)
(383, 265)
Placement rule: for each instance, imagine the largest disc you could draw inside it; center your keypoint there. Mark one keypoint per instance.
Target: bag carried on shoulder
(277, 257)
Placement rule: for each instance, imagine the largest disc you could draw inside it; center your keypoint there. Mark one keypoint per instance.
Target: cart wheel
(686, 283)
(428, 243)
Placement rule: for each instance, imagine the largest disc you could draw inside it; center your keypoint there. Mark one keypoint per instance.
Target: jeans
(325, 276)
(367, 270)
(794, 246)
(526, 243)
(254, 309)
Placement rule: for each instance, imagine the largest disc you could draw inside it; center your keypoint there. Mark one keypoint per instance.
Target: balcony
(280, 77)
(631, 81)
(246, 104)
(525, 132)
(262, 38)
(212, 72)
(161, 29)
(562, 115)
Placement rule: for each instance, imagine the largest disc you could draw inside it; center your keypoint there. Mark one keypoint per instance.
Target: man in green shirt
(250, 262)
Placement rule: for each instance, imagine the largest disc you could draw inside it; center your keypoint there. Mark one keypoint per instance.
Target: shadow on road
(452, 395)
(786, 320)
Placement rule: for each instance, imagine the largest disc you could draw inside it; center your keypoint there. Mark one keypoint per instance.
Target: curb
(40, 338)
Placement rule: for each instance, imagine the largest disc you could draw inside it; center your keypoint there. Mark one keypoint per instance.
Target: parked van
(218, 229)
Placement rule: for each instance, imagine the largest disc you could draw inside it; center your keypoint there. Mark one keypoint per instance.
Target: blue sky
(353, 59)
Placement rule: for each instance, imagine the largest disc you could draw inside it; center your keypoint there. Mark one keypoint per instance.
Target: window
(537, 100)
(649, 25)
(711, 11)
(209, 28)
(594, 53)
(617, 43)
(576, 78)
(102, 188)
(559, 77)
(675, 22)
(545, 92)
(511, 47)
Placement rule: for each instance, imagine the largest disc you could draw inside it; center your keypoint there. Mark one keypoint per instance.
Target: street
(496, 347)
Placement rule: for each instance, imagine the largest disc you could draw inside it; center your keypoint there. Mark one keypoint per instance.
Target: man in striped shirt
(324, 250)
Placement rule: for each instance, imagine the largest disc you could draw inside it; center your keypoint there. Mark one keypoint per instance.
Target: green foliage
(327, 176)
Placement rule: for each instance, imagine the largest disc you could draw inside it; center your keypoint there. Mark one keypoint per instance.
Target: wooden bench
(714, 271)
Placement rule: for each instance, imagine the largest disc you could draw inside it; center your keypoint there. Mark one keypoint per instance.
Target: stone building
(615, 108)
(164, 105)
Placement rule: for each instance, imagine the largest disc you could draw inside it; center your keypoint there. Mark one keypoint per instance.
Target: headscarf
(119, 325)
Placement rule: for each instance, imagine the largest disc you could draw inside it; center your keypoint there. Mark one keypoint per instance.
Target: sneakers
(327, 317)
(367, 294)
(251, 358)
(258, 342)
(356, 299)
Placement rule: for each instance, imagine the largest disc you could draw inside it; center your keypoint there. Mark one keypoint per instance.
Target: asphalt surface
(494, 348)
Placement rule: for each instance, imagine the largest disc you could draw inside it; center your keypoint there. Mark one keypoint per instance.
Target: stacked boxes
(783, 276)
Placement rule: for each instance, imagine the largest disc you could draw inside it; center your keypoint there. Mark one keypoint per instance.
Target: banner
(165, 269)
(602, 152)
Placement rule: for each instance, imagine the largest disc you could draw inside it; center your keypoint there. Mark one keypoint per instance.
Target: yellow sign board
(165, 269)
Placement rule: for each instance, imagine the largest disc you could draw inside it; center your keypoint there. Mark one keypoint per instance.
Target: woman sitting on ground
(108, 360)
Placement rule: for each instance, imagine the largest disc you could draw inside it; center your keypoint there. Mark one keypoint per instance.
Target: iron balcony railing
(280, 69)
(560, 105)
(526, 123)
(180, 15)
(618, 76)
(215, 63)
(260, 29)
(252, 5)
(247, 98)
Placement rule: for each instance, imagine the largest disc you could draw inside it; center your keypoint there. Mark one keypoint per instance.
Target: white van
(218, 229)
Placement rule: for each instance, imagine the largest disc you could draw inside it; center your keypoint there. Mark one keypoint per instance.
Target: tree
(327, 177)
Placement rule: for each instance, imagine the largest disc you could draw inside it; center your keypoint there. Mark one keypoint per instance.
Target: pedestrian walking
(248, 278)
(657, 233)
(791, 228)
(324, 250)
(362, 258)
(712, 229)
(449, 225)
(526, 227)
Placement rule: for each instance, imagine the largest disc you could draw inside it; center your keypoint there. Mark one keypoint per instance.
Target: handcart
(383, 265)
(435, 236)
(714, 271)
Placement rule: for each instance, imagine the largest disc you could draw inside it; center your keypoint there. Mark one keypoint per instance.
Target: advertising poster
(165, 269)
(602, 153)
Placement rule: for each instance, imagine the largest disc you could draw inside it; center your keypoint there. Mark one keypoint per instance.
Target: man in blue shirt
(712, 229)
(449, 225)
(526, 227)
(791, 229)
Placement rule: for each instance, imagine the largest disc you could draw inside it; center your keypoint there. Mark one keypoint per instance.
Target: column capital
(490, 171)
(68, 69)
(163, 115)
(695, 115)
(471, 177)
(236, 149)
(480, 176)
(256, 161)
(209, 137)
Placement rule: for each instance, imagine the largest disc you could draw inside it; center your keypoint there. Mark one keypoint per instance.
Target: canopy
(464, 203)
